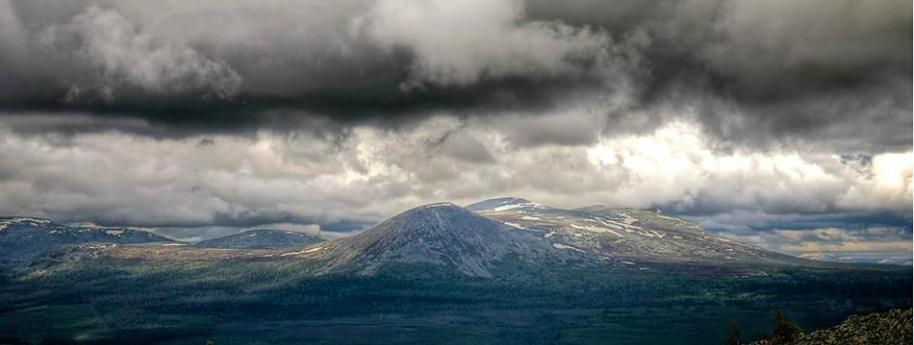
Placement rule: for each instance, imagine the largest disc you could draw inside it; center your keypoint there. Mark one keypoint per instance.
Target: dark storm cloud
(751, 71)
(757, 71)
(756, 51)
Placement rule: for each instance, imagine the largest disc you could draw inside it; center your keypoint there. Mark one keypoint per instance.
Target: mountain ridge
(25, 238)
(625, 234)
(475, 239)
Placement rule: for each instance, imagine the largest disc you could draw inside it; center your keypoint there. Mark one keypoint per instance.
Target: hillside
(887, 328)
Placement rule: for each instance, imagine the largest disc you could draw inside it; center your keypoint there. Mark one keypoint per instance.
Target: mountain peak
(440, 234)
(503, 204)
(437, 217)
(437, 205)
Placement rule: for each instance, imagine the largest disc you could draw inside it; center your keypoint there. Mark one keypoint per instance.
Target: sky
(781, 123)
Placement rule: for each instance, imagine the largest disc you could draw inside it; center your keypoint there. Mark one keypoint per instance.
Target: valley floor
(242, 303)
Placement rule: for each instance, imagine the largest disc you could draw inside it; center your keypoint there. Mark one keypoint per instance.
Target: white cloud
(460, 42)
(760, 42)
(373, 173)
(885, 184)
(678, 165)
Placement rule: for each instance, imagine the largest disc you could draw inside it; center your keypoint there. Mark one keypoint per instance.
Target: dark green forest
(277, 302)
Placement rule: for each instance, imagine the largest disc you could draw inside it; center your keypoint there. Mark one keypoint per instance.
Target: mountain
(440, 234)
(472, 240)
(531, 274)
(261, 239)
(628, 236)
(25, 238)
(887, 328)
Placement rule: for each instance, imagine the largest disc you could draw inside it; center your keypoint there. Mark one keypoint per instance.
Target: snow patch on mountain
(637, 235)
(515, 225)
(562, 246)
(9, 222)
(505, 204)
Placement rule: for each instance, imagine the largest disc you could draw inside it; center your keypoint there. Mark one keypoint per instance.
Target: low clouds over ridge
(281, 177)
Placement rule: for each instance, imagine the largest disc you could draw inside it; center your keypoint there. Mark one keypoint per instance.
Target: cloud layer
(273, 177)
(815, 71)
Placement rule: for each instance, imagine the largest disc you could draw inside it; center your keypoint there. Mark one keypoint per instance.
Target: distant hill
(261, 239)
(24, 238)
(888, 328)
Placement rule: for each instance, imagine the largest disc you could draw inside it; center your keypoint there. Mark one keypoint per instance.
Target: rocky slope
(261, 239)
(888, 328)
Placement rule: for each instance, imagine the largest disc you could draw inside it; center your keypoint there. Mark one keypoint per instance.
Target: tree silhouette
(733, 337)
(784, 330)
